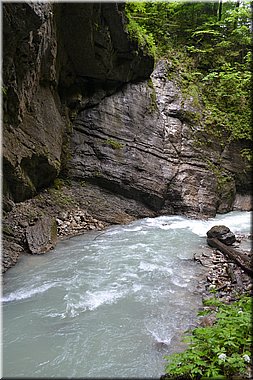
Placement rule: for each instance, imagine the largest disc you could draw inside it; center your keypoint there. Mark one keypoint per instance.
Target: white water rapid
(108, 304)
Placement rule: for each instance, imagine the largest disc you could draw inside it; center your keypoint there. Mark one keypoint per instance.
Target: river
(106, 304)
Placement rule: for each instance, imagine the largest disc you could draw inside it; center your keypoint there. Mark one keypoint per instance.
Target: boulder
(222, 233)
(42, 236)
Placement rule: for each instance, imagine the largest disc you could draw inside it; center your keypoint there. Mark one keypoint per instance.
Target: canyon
(93, 125)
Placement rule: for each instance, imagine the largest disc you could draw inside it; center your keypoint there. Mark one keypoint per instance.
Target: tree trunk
(239, 258)
(219, 10)
(236, 19)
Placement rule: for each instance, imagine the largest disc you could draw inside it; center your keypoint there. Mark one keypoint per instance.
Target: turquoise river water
(108, 304)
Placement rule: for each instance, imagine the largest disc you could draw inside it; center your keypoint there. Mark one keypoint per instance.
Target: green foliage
(153, 103)
(210, 58)
(60, 198)
(226, 96)
(56, 191)
(114, 144)
(247, 154)
(58, 183)
(217, 351)
(136, 31)
(4, 91)
(221, 176)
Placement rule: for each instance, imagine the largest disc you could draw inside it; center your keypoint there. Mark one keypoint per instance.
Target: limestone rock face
(33, 126)
(138, 143)
(192, 189)
(142, 142)
(98, 44)
(53, 55)
(119, 145)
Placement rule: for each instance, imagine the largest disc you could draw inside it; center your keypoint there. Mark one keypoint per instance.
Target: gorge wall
(53, 54)
(144, 142)
(82, 101)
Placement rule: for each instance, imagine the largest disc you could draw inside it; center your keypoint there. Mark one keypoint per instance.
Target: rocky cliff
(145, 142)
(88, 129)
(55, 55)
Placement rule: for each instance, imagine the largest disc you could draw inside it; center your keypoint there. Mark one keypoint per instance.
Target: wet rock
(243, 202)
(42, 236)
(208, 320)
(222, 233)
(10, 254)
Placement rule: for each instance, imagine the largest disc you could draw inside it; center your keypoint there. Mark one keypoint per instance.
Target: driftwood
(240, 259)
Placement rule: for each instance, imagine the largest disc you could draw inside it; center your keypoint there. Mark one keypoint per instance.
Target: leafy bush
(217, 351)
(210, 57)
(137, 31)
(227, 98)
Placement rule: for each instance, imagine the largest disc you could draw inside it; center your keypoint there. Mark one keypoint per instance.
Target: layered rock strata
(57, 58)
(79, 103)
(143, 142)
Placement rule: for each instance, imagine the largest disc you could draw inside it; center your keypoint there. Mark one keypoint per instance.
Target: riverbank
(227, 291)
(69, 209)
(223, 277)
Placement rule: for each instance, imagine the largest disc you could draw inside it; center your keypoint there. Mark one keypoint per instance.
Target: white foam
(160, 221)
(137, 245)
(137, 287)
(160, 338)
(149, 267)
(236, 221)
(56, 315)
(28, 293)
(95, 299)
(178, 282)
(132, 229)
(92, 300)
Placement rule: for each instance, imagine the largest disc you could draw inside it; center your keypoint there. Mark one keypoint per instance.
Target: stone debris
(76, 221)
(10, 254)
(223, 277)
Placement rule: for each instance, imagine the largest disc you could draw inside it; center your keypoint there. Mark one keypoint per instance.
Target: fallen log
(240, 259)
